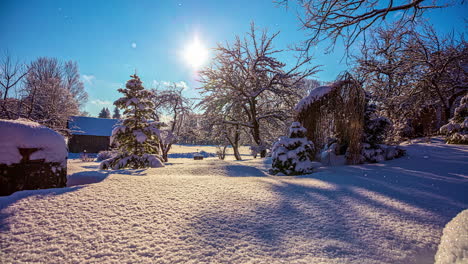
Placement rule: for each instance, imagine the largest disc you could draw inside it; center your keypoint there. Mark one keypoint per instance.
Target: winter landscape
(285, 132)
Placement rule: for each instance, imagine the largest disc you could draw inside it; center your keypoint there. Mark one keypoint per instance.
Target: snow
(215, 211)
(453, 248)
(314, 95)
(202, 153)
(83, 125)
(140, 136)
(329, 158)
(123, 160)
(27, 134)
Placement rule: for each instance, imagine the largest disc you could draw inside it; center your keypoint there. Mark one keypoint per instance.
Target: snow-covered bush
(136, 137)
(453, 247)
(375, 131)
(332, 154)
(456, 131)
(121, 161)
(293, 155)
(106, 154)
(257, 149)
(85, 157)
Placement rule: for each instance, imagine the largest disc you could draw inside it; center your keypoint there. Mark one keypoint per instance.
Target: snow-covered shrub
(121, 161)
(331, 154)
(375, 127)
(375, 132)
(136, 136)
(257, 149)
(85, 157)
(32, 156)
(453, 247)
(106, 154)
(293, 155)
(456, 131)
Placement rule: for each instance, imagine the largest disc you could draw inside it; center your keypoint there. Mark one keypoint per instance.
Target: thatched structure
(335, 111)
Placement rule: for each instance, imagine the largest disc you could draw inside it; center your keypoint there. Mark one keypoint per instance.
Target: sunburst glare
(195, 53)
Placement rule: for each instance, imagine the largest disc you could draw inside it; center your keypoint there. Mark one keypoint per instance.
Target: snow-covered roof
(91, 126)
(315, 95)
(17, 134)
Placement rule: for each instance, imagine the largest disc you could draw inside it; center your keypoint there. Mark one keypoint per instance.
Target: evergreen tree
(136, 137)
(293, 155)
(116, 114)
(105, 113)
(375, 131)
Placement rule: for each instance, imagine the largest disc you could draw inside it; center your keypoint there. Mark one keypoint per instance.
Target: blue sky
(110, 39)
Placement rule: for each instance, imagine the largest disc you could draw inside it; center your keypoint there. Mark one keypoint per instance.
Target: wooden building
(89, 134)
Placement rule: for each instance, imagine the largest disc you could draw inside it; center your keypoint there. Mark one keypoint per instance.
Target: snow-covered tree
(49, 95)
(375, 126)
(137, 137)
(105, 113)
(116, 114)
(416, 76)
(293, 155)
(171, 103)
(375, 131)
(457, 128)
(249, 74)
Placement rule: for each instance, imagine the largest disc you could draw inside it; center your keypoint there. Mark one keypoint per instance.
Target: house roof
(91, 126)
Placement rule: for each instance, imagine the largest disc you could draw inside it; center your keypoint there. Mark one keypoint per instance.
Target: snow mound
(191, 155)
(453, 247)
(17, 134)
(132, 161)
(314, 95)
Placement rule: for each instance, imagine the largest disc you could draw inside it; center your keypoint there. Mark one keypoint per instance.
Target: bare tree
(71, 81)
(412, 73)
(443, 62)
(171, 103)
(11, 74)
(334, 19)
(248, 74)
(45, 97)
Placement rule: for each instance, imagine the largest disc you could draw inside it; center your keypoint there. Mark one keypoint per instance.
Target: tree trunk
(235, 143)
(236, 152)
(256, 127)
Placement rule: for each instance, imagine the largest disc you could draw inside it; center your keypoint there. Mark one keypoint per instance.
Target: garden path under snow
(234, 212)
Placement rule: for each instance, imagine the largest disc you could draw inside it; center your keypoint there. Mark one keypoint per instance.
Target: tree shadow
(243, 171)
(354, 211)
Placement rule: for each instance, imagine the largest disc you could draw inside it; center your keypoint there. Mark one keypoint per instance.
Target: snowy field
(214, 211)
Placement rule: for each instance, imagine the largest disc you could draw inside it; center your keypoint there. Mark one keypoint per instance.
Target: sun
(195, 54)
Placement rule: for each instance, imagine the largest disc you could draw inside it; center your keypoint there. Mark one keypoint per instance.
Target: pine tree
(105, 113)
(375, 131)
(137, 137)
(116, 114)
(293, 155)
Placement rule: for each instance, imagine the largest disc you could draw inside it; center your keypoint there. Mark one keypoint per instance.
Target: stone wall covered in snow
(32, 156)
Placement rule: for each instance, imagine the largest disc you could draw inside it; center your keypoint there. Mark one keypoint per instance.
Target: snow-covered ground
(234, 212)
